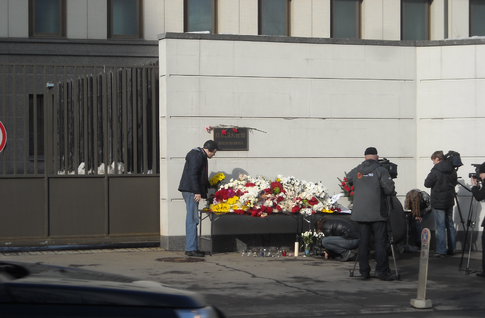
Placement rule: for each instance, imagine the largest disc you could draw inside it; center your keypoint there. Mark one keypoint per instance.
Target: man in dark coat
(341, 237)
(442, 180)
(194, 185)
(372, 184)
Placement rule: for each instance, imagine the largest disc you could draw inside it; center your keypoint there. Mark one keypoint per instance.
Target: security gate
(81, 164)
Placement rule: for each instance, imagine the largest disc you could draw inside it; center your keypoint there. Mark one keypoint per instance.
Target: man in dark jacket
(442, 180)
(341, 237)
(479, 195)
(194, 185)
(372, 184)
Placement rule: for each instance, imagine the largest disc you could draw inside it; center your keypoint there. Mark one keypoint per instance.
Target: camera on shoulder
(454, 158)
(391, 167)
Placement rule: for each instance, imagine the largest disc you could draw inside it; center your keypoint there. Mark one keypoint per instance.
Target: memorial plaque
(230, 140)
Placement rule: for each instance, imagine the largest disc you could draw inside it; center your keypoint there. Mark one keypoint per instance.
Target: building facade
(318, 80)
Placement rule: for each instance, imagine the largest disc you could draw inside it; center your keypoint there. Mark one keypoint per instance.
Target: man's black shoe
(385, 277)
(480, 274)
(365, 277)
(195, 253)
(437, 255)
(451, 253)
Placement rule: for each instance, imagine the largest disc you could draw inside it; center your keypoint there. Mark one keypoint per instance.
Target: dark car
(36, 290)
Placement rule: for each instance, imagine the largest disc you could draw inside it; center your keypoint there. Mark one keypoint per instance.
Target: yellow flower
(232, 200)
(220, 207)
(217, 178)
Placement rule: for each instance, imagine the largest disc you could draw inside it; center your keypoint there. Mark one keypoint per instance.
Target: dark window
(346, 19)
(36, 125)
(415, 20)
(125, 18)
(200, 15)
(477, 17)
(47, 17)
(274, 17)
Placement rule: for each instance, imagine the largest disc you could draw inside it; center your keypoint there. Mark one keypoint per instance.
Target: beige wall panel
(321, 18)
(459, 20)
(228, 17)
(301, 22)
(153, 19)
(77, 19)
(4, 20)
(174, 16)
(248, 17)
(437, 21)
(391, 20)
(97, 19)
(18, 18)
(372, 19)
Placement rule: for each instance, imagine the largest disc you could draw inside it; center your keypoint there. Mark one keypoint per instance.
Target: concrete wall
(450, 113)
(319, 105)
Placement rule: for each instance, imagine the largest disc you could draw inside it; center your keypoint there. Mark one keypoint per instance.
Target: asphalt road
(289, 286)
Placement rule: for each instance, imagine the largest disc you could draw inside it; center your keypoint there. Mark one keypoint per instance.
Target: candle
(296, 248)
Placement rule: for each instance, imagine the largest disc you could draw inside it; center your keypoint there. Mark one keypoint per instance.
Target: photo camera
(391, 167)
(476, 174)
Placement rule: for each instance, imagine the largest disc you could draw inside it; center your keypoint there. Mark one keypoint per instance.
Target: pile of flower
(260, 196)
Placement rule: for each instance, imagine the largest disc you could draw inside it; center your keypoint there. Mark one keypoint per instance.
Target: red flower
(352, 193)
(295, 209)
(250, 184)
(278, 208)
(313, 201)
(234, 130)
(279, 199)
(221, 195)
(208, 129)
(347, 188)
(224, 132)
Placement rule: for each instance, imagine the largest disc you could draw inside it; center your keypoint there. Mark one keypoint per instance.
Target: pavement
(244, 286)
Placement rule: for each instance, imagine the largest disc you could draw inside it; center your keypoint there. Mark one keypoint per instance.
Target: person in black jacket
(194, 185)
(478, 193)
(341, 237)
(442, 180)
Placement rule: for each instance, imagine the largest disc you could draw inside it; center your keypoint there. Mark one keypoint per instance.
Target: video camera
(391, 167)
(476, 174)
(454, 158)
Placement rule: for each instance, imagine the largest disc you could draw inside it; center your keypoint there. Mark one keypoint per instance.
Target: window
(200, 15)
(47, 17)
(125, 18)
(477, 17)
(36, 125)
(274, 17)
(415, 20)
(346, 19)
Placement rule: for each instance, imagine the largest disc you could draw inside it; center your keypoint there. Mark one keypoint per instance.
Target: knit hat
(370, 151)
(482, 168)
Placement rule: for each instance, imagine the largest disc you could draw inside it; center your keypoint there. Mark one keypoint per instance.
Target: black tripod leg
(355, 265)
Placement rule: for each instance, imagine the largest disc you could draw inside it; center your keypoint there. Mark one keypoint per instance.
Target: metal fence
(79, 120)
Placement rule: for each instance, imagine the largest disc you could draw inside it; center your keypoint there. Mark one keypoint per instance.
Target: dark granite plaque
(229, 140)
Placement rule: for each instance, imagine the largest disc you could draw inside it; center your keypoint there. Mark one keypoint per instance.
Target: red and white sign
(3, 136)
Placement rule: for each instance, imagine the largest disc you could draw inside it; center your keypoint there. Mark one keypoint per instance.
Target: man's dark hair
(210, 145)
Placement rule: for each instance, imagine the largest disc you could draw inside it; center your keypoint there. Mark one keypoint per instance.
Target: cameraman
(479, 195)
(442, 180)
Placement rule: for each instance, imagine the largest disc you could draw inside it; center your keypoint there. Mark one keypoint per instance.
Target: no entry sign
(3, 136)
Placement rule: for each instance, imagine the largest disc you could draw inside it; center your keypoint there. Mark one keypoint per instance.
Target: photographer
(479, 195)
(442, 180)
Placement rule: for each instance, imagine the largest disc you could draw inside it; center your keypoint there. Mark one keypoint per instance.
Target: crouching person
(341, 237)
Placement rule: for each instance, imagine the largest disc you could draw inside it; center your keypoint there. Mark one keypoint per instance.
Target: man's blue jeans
(339, 244)
(380, 247)
(191, 222)
(445, 231)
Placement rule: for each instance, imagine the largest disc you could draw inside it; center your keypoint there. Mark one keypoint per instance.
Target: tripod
(390, 236)
(469, 224)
